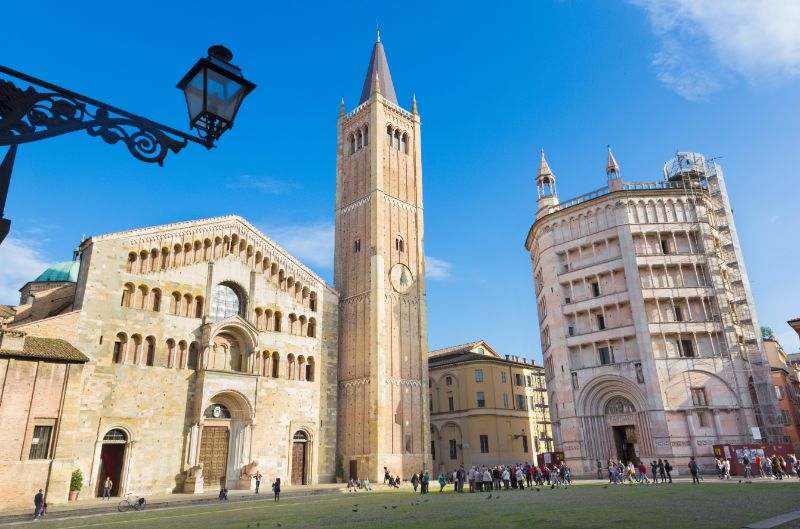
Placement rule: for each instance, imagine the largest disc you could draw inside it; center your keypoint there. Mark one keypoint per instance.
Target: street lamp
(214, 90)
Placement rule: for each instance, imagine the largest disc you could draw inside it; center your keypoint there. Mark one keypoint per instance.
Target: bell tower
(380, 275)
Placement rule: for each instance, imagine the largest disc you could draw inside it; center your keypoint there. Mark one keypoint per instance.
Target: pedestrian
(351, 485)
(599, 469)
(223, 493)
(643, 474)
(107, 484)
(758, 462)
(366, 484)
(694, 469)
(746, 465)
(654, 468)
(726, 468)
(426, 480)
(668, 470)
(661, 473)
(276, 488)
(506, 478)
(38, 502)
(441, 481)
(414, 481)
(385, 475)
(258, 481)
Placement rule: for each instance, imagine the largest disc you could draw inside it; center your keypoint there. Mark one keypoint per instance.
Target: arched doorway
(619, 413)
(214, 444)
(300, 453)
(112, 460)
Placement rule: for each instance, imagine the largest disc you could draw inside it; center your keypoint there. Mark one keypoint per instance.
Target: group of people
(500, 477)
(354, 485)
(773, 467)
(619, 472)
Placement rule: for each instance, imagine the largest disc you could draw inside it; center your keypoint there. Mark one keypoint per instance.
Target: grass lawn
(681, 505)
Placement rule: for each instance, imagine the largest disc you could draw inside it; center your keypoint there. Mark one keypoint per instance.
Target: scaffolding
(733, 294)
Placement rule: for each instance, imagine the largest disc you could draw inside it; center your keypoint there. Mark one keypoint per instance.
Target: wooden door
(214, 454)
(298, 463)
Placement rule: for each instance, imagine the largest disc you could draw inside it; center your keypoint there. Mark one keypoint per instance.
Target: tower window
(399, 244)
(685, 348)
(352, 144)
(404, 144)
(389, 136)
(678, 314)
(601, 322)
(366, 136)
(595, 289)
(606, 355)
(357, 246)
(699, 397)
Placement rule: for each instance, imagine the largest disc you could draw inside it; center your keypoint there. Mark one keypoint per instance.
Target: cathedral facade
(212, 355)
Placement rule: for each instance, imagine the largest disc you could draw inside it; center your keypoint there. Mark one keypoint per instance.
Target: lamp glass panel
(194, 95)
(224, 96)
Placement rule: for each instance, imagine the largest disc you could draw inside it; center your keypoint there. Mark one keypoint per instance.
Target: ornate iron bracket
(30, 115)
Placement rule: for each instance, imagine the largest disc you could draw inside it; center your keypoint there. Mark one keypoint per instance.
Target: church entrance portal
(112, 459)
(214, 455)
(299, 454)
(624, 440)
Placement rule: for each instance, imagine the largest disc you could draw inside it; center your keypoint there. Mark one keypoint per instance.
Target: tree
(767, 333)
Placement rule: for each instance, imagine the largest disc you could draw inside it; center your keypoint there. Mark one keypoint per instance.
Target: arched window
(193, 360)
(357, 246)
(130, 266)
(396, 142)
(175, 305)
(264, 368)
(389, 136)
(290, 374)
(277, 321)
(206, 249)
(301, 367)
(303, 325)
(143, 262)
(155, 300)
(312, 301)
(170, 353)
(359, 140)
(137, 349)
(164, 258)
(154, 262)
(186, 308)
(404, 144)
(312, 328)
(150, 356)
(366, 135)
(225, 302)
(115, 436)
(198, 307)
(177, 255)
(300, 436)
(259, 319)
(276, 365)
(141, 297)
(182, 354)
(120, 348)
(399, 244)
(187, 253)
(217, 411)
(292, 324)
(128, 294)
(310, 369)
(352, 144)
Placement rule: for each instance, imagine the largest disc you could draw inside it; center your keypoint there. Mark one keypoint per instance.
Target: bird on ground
(605, 486)
(279, 524)
(385, 507)
(394, 506)
(355, 510)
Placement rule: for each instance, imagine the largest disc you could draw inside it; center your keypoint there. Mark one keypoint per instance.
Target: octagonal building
(647, 321)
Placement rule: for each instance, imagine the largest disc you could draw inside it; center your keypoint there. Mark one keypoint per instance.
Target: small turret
(612, 172)
(546, 185)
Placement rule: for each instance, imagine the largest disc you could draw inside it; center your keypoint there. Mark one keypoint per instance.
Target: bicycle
(136, 504)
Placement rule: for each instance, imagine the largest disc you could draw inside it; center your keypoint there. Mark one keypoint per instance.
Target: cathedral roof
(378, 67)
(64, 271)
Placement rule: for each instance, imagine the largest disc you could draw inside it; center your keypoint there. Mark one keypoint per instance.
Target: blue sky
(494, 84)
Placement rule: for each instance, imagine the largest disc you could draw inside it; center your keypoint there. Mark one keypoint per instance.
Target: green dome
(66, 271)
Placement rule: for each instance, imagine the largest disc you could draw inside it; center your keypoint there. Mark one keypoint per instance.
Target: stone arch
(237, 403)
(238, 342)
(594, 396)
(718, 391)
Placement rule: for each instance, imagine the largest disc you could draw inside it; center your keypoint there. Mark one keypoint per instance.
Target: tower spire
(378, 74)
(544, 167)
(612, 172)
(545, 186)
(612, 167)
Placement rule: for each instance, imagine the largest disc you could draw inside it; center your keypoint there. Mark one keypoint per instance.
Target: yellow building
(486, 409)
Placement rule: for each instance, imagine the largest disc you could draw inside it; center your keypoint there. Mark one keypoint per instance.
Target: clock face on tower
(401, 278)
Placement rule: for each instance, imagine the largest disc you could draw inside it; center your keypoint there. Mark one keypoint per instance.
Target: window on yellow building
(481, 399)
(479, 375)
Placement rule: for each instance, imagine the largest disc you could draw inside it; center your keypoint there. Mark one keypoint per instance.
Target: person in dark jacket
(38, 502)
(276, 488)
(668, 470)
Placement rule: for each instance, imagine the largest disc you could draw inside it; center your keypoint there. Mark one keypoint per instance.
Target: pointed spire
(342, 111)
(414, 105)
(378, 75)
(612, 167)
(544, 167)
